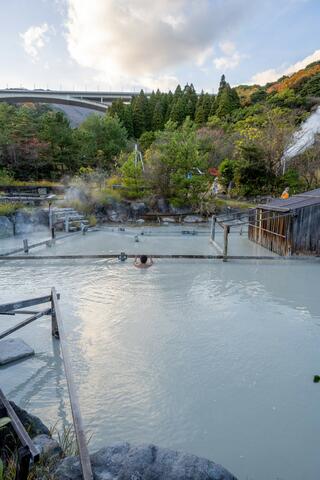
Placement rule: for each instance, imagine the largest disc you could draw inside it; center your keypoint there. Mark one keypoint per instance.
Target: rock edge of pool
(121, 460)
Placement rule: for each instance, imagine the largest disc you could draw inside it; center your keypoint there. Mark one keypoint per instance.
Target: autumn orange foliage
(295, 79)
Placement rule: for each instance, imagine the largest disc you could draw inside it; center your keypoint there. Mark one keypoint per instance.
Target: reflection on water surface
(216, 359)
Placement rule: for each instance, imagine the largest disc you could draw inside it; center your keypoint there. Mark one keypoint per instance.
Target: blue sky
(130, 44)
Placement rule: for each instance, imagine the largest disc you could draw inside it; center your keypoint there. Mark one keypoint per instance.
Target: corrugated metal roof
(295, 202)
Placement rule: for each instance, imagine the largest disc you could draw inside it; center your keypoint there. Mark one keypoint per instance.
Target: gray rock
(6, 227)
(180, 210)
(23, 223)
(40, 218)
(162, 205)
(47, 446)
(139, 208)
(193, 219)
(14, 349)
(8, 437)
(123, 461)
(113, 216)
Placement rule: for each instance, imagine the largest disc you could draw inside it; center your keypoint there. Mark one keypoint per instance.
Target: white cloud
(231, 58)
(203, 56)
(163, 82)
(35, 38)
(273, 74)
(227, 47)
(141, 39)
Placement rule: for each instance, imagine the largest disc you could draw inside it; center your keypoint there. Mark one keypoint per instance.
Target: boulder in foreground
(124, 461)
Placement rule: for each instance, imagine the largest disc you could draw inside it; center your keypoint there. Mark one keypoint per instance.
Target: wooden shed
(288, 227)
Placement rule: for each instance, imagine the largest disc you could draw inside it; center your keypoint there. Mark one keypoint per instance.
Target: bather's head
(143, 259)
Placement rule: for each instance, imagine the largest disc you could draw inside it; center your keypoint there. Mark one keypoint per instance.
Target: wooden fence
(28, 450)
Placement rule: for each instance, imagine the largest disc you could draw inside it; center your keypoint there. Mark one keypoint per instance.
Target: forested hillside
(186, 138)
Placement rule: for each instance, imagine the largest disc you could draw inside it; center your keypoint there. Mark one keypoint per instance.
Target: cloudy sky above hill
(133, 44)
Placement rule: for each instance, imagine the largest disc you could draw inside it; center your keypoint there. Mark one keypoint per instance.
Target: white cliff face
(305, 136)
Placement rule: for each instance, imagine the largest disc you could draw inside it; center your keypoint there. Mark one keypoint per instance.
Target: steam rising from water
(305, 136)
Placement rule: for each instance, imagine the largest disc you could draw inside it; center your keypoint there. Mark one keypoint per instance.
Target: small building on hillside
(288, 227)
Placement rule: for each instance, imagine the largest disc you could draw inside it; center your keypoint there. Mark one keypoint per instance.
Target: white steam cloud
(138, 39)
(305, 136)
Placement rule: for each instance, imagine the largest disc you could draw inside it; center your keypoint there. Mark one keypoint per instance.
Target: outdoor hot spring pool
(209, 357)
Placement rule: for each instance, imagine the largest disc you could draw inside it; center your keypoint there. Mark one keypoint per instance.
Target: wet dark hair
(143, 259)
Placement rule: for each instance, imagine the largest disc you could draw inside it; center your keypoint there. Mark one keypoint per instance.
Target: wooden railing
(28, 450)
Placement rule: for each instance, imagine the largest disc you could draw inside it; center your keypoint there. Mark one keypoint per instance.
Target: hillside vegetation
(299, 81)
(186, 139)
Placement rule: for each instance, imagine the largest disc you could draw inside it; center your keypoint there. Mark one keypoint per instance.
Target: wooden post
(19, 428)
(54, 324)
(260, 226)
(25, 246)
(9, 307)
(226, 230)
(213, 227)
(53, 236)
(74, 401)
(50, 217)
(25, 322)
(23, 463)
(14, 230)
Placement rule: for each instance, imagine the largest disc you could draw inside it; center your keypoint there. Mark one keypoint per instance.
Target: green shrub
(227, 170)
(6, 178)
(92, 219)
(7, 209)
(292, 180)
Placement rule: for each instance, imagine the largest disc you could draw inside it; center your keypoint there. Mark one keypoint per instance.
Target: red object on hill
(213, 171)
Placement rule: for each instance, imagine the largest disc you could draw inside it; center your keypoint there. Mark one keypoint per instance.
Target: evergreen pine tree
(127, 120)
(228, 102)
(227, 99)
(199, 117)
(178, 111)
(151, 106)
(167, 102)
(222, 84)
(177, 93)
(139, 111)
(190, 109)
(206, 104)
(117, 108)
(158, 119)
(192, 98)
(214, 105)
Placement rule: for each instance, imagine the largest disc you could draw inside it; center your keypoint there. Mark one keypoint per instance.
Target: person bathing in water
(142, 262)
